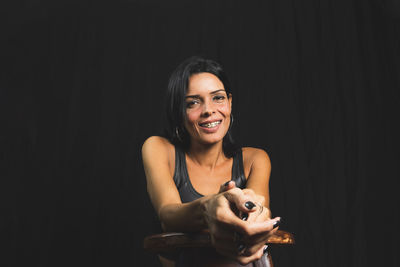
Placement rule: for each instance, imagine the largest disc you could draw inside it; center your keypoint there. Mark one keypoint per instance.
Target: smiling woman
(199, 180)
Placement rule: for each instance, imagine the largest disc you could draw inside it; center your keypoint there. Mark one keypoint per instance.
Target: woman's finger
(253, 228)
(227, 186)
(260, 215)
(253, 243)
(243, 202)
(244, 259)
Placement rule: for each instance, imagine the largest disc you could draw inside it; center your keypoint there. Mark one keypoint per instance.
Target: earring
(177, 133)
(230, 125)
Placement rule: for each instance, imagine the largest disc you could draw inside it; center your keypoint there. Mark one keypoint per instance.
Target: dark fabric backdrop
(315, 84)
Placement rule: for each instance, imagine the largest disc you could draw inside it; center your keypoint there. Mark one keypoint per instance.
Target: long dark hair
(175, 101)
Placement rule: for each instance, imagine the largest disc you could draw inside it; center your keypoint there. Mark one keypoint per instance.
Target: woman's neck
(208, 156)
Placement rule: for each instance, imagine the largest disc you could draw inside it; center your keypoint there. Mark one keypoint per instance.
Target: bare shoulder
(253, 153)
(157, 147)
(156, 141)
(255, 157)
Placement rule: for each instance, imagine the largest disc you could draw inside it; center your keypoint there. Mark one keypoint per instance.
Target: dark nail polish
(226, 184)
(265, 251)
(245, 216)
(277, 223)
(249, 205)
(240, 247)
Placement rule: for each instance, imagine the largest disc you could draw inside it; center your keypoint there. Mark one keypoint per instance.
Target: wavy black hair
(175, 101)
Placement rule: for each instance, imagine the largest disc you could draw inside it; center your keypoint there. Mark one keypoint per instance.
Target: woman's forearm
(186, 217)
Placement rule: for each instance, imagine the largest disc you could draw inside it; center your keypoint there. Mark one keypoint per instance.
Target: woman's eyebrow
(192, 96)
(216, 91)
(211, 93)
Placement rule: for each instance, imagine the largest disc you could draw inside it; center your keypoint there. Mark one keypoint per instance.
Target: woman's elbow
(164, 217)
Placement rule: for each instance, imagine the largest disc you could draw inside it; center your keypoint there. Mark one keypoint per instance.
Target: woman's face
(208, 109)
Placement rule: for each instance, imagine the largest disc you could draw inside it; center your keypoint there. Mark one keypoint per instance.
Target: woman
(197, 179)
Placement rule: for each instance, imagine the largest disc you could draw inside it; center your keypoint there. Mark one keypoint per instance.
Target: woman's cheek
(192, 117)
(225, 109)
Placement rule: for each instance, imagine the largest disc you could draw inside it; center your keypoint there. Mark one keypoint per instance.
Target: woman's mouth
(210, 124)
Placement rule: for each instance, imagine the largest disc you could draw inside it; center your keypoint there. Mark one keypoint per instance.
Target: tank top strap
(180, 174)
(238, 170)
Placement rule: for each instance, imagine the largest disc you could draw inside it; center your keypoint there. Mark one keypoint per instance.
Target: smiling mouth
(210, 124)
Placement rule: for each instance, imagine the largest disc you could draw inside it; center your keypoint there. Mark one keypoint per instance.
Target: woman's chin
(206, 138)
(211, 140)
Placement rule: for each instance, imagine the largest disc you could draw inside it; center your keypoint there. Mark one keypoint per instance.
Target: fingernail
(277, 223)
(265, 250)
(245, 216)
(240, 247)
(226, 184)
(249, 205)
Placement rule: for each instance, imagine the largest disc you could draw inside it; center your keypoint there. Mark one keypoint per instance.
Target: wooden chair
(172, 242)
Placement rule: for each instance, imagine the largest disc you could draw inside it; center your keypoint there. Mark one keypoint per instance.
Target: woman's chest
(207, 181)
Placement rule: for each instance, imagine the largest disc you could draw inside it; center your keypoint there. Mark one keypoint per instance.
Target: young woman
(198, 180)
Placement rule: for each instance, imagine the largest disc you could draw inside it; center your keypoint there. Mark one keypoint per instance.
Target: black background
(315, 84)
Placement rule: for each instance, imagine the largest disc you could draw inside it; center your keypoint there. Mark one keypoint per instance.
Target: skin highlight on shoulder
(251, 156)
(160, 149)
(157, 142)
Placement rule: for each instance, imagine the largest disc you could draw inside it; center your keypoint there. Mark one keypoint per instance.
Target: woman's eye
(219, 98)
(191, 103)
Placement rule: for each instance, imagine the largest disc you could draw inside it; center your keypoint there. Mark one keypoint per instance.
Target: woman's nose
(208, 109)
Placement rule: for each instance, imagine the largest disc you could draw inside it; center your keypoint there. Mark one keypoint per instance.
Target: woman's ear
(230, 100)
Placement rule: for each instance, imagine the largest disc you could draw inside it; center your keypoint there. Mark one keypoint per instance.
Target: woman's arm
(259, 165)
(174, 216)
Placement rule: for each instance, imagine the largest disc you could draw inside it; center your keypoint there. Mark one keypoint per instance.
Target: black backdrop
(315, 83)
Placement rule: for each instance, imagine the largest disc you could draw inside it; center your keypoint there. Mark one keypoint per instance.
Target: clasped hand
(238, 223)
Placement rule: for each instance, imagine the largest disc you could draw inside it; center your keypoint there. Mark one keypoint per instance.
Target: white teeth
(211, 124)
